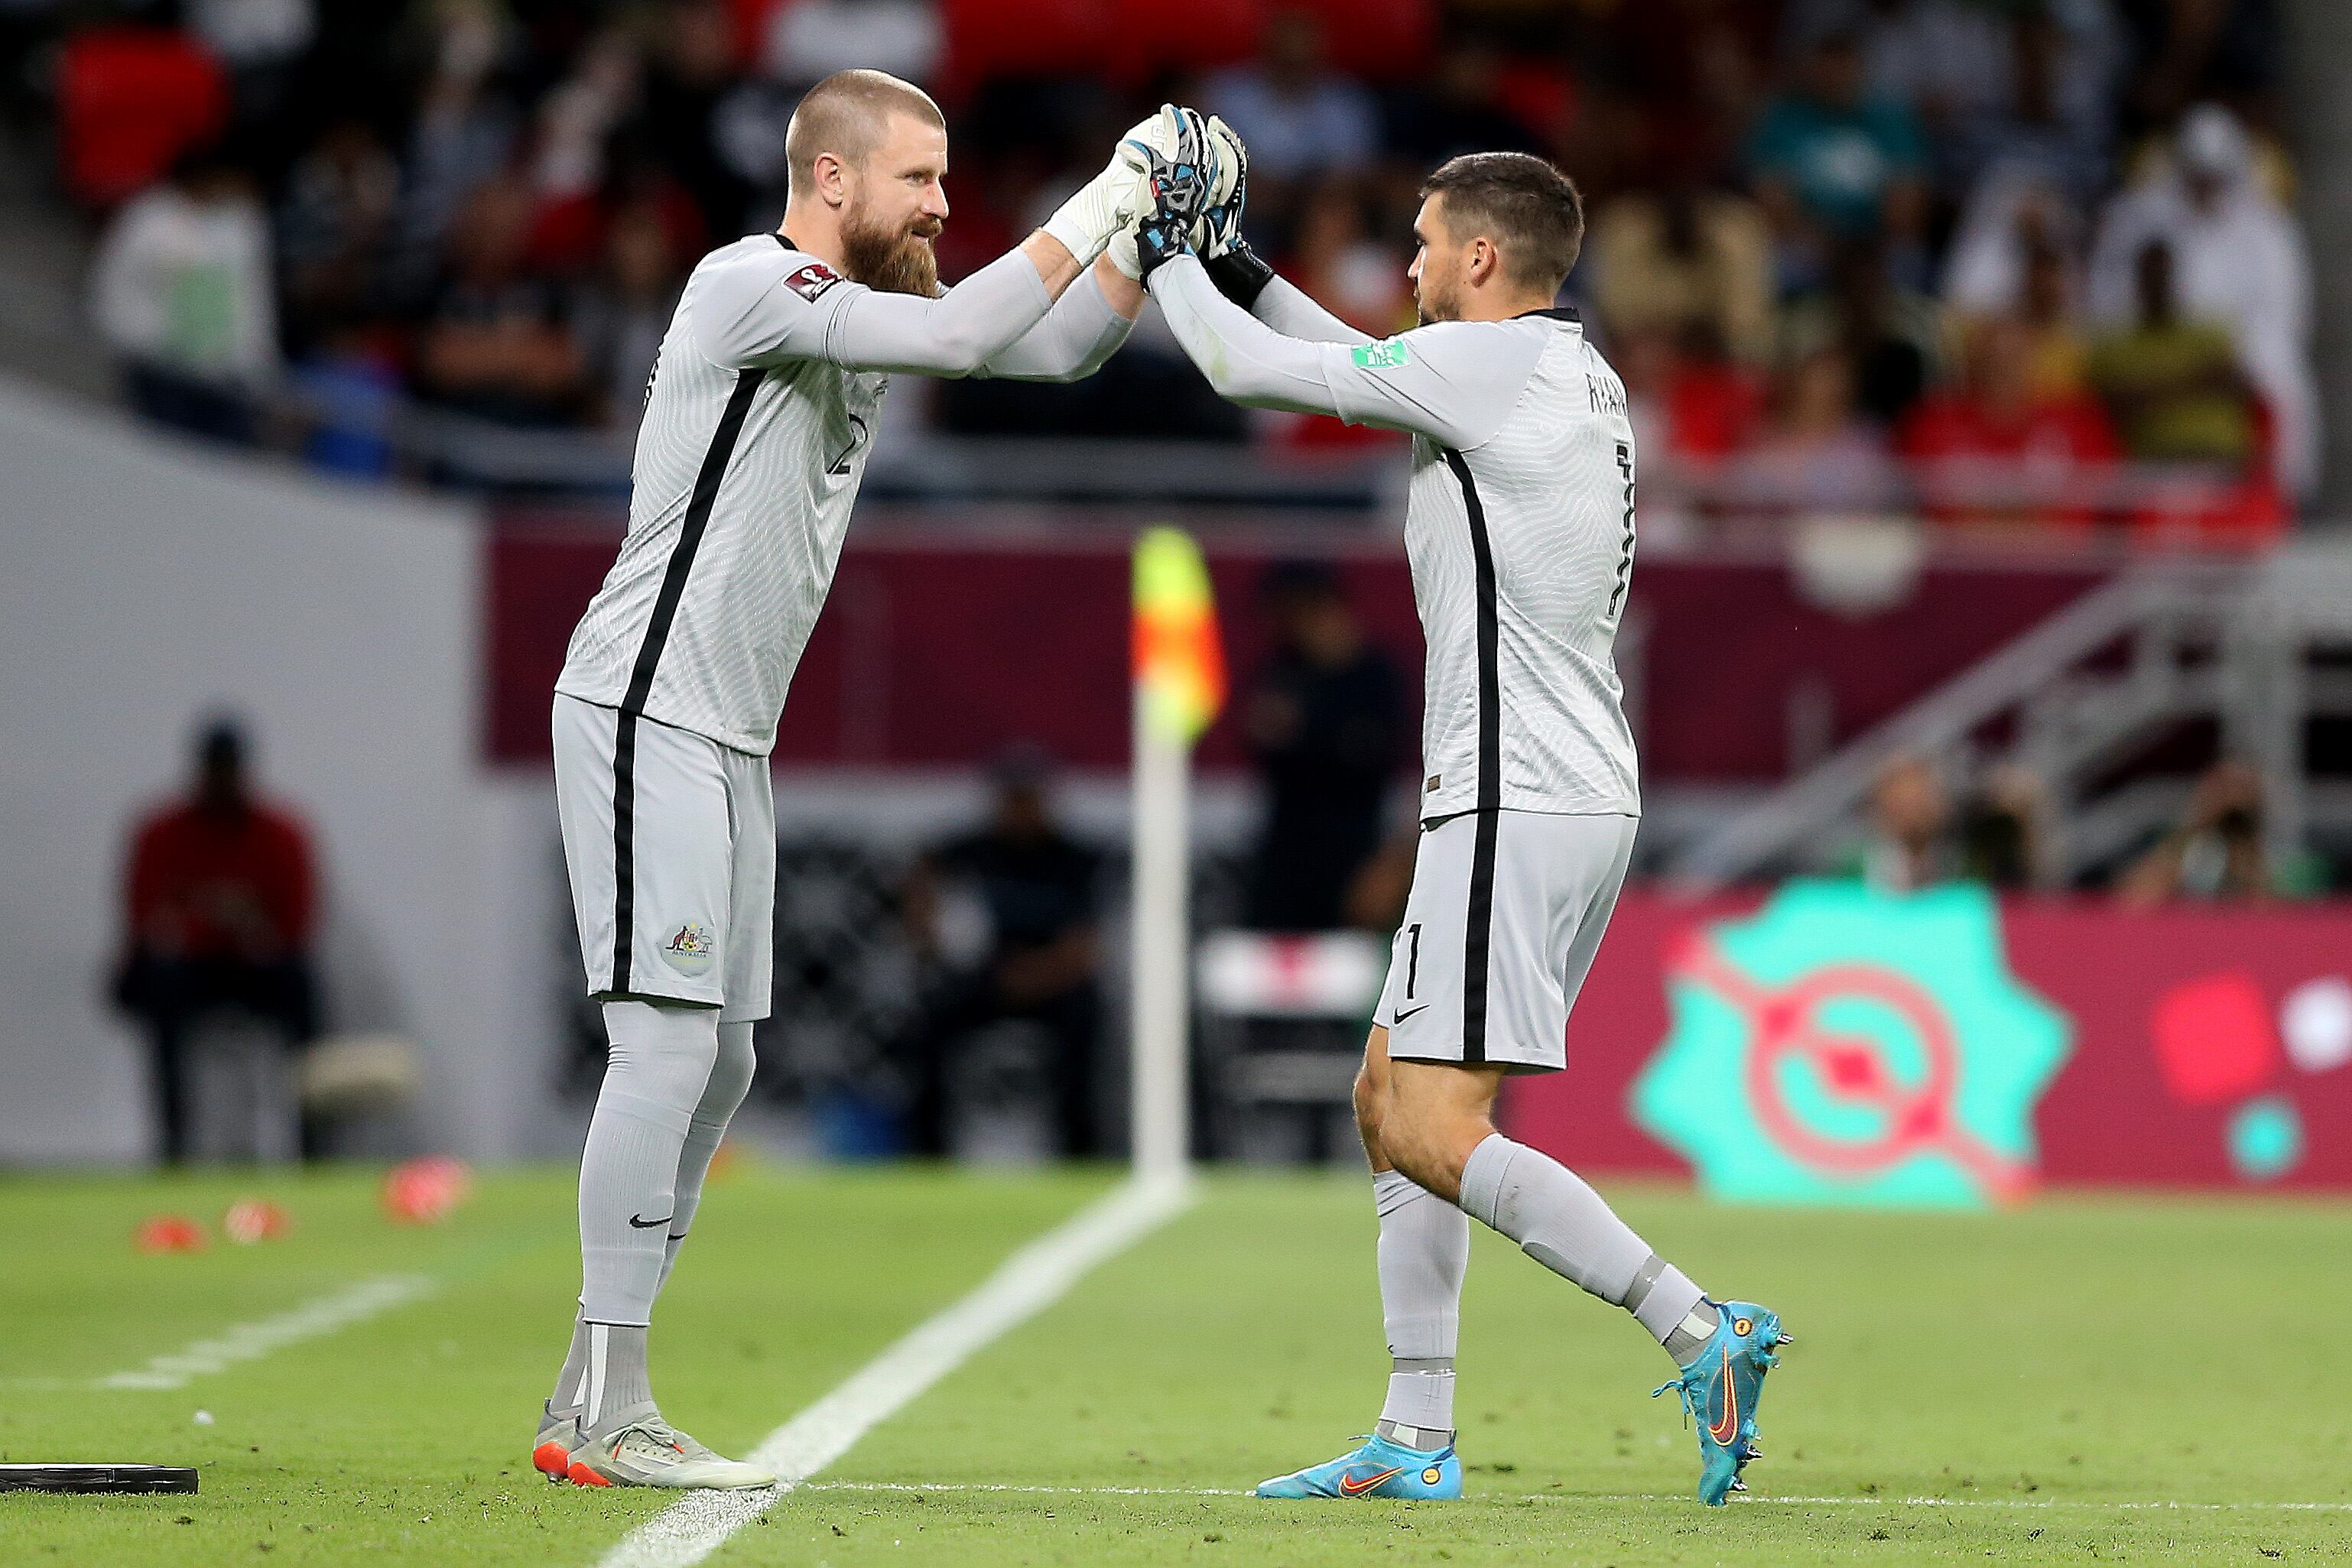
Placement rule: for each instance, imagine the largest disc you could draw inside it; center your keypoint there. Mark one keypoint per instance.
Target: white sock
(1562, 1224)
(1425, 1251)
(730, 1080)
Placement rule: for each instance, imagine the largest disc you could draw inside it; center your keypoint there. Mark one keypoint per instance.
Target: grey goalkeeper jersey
(1519, 524)
(758, 421)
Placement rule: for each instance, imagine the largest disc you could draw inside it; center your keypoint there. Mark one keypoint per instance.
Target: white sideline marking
(1749, 1501)
(251, 1341)
(1023, 1285)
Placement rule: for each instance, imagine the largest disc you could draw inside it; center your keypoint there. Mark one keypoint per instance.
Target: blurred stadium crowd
(1989, 260)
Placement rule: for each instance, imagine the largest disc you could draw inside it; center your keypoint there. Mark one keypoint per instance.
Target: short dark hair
(1532, 212)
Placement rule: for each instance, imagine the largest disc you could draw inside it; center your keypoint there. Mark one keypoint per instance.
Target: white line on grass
(1023, 1285)
(1615, 1497)
(251, 1341)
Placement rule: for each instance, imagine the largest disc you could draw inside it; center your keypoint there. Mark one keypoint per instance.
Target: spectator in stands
(2187, 50)
(1831, 163)
(2051, 116)
(1685, 257)
(498, 345)
(342, 197)
(261, 42)
(463, 134)
(1325, 721)
(2014, 255)
(1460, 110)
(1994, 448)
(689, 76)
(813, 38)
(1944, 61)
(1693, 73)
(2174, 385)
(2060, 355)
(625, 311)
(1888, 329)
(1816, 453)
(2215, 851)
(1909, 845)
(2238, 259)
(1298, 116)
(574, 123)
(1336, 260)
(220, 910)
(1687, 397)
(2004, 838)
(182, 293)
(1040, 963)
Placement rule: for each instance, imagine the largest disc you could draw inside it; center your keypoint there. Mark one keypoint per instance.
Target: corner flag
(1180, 661)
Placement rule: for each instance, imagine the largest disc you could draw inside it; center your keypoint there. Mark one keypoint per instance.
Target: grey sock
(571, 1383)
(661, 1062)
(1424, 1250)
(1675, 1312)
(1563, 1223)
(730, 1080)
(617, 1382)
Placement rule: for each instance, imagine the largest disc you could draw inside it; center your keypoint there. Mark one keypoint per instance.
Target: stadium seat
(1385, 40)
(131, 100)
(751, 20)
(1147, 38)
(1023, 38)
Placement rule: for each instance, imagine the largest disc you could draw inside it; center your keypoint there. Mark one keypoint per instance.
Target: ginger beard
(892, 259)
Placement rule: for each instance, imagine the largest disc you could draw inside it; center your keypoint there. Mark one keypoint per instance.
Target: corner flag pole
(1180, 681)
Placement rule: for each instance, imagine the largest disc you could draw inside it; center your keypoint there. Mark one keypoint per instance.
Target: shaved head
(847, 114)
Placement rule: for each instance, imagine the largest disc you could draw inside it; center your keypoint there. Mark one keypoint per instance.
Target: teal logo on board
(1848, 1045)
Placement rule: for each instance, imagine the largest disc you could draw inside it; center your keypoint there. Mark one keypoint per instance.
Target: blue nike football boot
(1379, 1469)
(1720, 1387)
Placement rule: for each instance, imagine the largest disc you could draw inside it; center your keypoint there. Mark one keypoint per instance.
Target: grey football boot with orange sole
(635, 1448)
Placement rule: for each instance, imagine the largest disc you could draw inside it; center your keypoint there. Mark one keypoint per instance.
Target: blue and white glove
(1240, 274)
(1108, 204)
(1181, 180)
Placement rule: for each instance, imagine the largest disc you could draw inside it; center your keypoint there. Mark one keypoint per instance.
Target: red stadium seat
(131, 100)
(1384, 40)
(1146, 35)
(751, 19)
(1023, 37)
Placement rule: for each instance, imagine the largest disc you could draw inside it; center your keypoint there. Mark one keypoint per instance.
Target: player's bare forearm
(1057, 267)
(1125, 294)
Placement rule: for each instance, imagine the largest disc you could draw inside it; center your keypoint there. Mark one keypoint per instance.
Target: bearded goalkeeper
(759, 419)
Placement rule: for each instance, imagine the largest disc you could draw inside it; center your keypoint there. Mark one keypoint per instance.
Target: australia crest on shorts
(689, 948)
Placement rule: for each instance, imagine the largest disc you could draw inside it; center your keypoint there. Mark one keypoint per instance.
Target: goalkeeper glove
(1180, 181)
(1240, 274)
(1115, 198)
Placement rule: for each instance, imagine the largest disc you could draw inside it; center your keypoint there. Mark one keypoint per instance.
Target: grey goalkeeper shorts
(1499, 932)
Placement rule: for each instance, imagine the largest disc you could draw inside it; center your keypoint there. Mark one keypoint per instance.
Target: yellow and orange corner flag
(1180, 661)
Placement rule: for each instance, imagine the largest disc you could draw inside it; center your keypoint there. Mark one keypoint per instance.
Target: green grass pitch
(2095, 1379)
